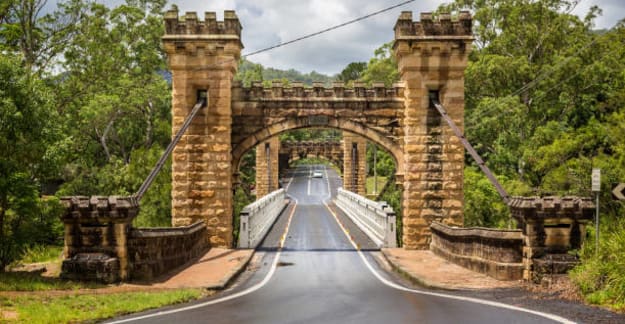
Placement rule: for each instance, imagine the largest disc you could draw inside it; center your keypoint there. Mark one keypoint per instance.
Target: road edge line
(250, 290)
(391, 284)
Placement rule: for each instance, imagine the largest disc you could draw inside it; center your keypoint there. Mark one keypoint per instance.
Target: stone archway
(431, 57)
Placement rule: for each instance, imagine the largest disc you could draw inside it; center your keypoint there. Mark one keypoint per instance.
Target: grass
(600, 276)
(91, 307)
(41, 253)
(33, 281)
(381, 183)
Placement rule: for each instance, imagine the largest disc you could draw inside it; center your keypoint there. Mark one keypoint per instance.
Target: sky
(270, 22)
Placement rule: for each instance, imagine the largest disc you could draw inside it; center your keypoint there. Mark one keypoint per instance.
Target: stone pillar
(96, 237)
(267, 176)
(203, 56)
(354, 164)
(551, 227)
(431, 56)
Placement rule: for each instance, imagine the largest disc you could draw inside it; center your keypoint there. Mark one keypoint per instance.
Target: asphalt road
(319, 277)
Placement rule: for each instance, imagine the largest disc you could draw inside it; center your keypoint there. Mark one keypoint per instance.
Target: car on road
(317, 174)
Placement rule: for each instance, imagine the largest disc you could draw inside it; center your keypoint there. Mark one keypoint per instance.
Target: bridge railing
(376, 219)
(257, 218)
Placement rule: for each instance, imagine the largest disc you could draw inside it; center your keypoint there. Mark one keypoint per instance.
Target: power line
(317, 33)
(329, 28)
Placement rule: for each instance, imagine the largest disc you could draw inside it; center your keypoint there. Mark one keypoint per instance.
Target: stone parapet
(96, 237)
(428, 26)
(551, 227)
(494, 252)
(155, 251)
(338, 90)
(190, 25)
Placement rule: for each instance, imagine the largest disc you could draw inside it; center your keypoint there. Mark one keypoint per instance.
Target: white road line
(461, 298)
(329, 195)
(247, 291)
(309, 178)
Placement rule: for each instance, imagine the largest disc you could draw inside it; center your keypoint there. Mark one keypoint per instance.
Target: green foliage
(33, 281)
(41, 253)
(600, 276)
(352, 72)
(249, 71)
(382, 67)
(393, 195)
(27, 129)
(385, 162)
(76, 308)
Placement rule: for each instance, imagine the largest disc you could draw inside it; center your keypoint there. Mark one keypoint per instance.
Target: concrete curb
(415, 279)
(229, 278)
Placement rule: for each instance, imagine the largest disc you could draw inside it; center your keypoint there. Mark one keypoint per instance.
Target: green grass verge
(41, 253)
(26, 281)
(381, 183)
(81, 308)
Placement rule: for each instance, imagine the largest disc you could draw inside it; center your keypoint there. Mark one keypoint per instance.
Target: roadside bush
(601, 274)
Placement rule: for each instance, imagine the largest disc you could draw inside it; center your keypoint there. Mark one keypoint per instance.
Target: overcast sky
(269, 22)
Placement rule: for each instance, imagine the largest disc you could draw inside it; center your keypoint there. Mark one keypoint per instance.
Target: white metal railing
(257, 218)
(376, 219)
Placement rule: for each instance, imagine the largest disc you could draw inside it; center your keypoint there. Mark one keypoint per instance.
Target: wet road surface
(319, 277)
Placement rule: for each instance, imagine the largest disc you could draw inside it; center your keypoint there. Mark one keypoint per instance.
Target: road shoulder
(424, 268)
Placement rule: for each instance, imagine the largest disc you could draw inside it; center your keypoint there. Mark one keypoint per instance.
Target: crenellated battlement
(427, 26)
(190, 25)
(318, 91)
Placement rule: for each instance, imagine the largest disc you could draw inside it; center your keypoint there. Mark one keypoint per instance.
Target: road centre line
(461, 298)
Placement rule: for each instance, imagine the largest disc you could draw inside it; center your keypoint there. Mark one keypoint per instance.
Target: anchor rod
(202, 102)
(500, 190)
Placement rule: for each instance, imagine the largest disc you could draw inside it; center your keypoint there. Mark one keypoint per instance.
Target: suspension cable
(202, 102)
(500, 190)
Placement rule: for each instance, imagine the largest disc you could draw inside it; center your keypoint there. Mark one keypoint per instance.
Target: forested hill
(250, 71)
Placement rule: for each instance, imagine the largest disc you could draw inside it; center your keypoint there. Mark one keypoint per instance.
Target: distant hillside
(250, 71)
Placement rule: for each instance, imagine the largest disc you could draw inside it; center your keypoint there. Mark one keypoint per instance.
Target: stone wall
(495, 252)
(155, 251)
(432, 56)
(354, 167)
(267, 176)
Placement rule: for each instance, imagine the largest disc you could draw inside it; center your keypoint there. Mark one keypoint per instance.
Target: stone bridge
(101, 244)
(431, 56)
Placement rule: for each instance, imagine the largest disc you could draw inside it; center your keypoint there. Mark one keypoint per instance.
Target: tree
(352, 72)
(27, 130)
(39, 39)
(382, 67)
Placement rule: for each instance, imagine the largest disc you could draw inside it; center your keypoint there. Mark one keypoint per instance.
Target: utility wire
(329, 28)
(317, 33)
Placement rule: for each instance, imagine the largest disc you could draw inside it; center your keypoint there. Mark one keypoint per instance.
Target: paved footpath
(427, 269)
(214, 270)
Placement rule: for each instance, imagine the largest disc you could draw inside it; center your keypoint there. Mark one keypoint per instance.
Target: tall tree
(27, 131)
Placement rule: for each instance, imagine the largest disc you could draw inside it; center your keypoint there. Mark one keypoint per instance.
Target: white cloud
(269, 22)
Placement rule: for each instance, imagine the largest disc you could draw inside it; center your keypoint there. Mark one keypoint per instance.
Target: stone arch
(276, 129)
